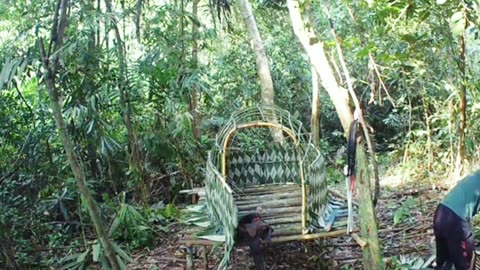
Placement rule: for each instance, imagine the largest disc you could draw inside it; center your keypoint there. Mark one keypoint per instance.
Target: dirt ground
(404, 215)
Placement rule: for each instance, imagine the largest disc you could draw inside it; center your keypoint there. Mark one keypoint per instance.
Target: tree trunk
(318, 59)
(463, 112)
(429, 135)
(77, 171)
(7, 250)
(315, 125)
(51, 65)
(371, 253)
(135, 158)
(263, 69)
(138, 19)
(88, 88)
(194, 106)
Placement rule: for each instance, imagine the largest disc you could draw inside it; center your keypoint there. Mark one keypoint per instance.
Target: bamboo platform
(280, 207)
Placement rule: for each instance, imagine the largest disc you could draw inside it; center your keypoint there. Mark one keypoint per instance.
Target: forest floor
(404, 213)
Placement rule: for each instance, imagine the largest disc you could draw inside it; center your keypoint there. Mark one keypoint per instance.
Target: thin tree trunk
(315, 125)
(7, 250)
(406, 154)
(429, 135)
(451, 135)
(138, 19)
(463, 112)
(371, 253)
(194, 103)
(135, 158)
(263, 68)
(462, 106)
(87, 87)
(51, 66)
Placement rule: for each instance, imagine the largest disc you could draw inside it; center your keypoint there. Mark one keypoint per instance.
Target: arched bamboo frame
(261, 124)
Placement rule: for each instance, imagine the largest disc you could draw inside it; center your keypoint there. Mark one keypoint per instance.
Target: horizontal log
(250, 199)
(274, 188)
(283, 220)
(270, 204)
(273, 212)
(312, 236)
(290, 230)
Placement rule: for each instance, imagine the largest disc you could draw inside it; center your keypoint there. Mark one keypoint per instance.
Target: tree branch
(356, 103)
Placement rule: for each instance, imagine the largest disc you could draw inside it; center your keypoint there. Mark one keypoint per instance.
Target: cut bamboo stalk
(290, 230)
(308, 236)
(271, 204)
(273, 211)
(304, 200)
(359, 240)
(282, 220)
(250, 199)
(267, 190)
(270, 187)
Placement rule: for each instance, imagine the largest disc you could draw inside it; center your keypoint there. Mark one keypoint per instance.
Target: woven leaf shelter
(284, 181)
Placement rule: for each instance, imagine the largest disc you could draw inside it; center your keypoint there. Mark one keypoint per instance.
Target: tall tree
(339, 96)
(315, 120)
(462, 106)
(51, 64)
(135, 156)
(87, 87)
(7, 250)
(194, 102)
(263, 68)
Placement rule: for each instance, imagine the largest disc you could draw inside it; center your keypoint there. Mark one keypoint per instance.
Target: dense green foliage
(405, 58)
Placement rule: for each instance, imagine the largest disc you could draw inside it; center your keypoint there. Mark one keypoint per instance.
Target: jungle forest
(237, 134)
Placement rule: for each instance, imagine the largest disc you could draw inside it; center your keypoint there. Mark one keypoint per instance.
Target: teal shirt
(464, 198)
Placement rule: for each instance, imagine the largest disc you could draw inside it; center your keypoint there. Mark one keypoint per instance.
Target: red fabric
(352, 183)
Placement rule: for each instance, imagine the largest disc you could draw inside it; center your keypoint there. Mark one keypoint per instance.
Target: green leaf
(215, 238)
(203, 224)
(83, 256)
(397, 216)
(122, 253)
(121, 263)
(72, 265)
(457, 23)
(104, 263)
(96, 251)
(169, 211)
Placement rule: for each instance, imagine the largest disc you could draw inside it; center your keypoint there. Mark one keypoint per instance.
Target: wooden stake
(362, 243)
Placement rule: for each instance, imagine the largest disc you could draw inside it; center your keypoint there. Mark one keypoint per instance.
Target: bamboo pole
(312, 236)
(274, 211)
(304, 201)
(268, 197)
(270, 204)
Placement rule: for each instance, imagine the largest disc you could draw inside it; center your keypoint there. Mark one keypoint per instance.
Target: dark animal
(251, 231)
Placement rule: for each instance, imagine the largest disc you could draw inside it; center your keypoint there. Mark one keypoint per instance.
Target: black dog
(251, 230)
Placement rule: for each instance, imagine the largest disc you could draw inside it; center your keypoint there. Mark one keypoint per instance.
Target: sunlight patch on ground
(392, 180)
